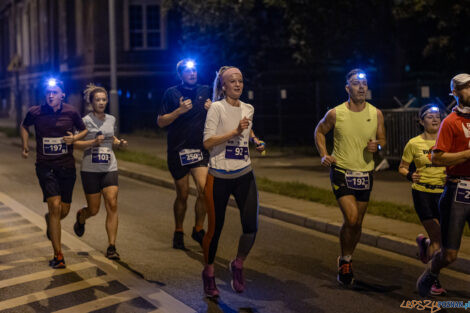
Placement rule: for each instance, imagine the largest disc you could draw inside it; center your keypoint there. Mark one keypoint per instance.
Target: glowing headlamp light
(432, 109)
(190, 64)
(52, 82)
(361, 75)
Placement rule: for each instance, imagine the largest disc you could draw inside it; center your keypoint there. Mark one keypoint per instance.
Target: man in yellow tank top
(359, 132)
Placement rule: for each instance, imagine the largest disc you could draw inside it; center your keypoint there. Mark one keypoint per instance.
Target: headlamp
(51, 82)
(190, 64)
(361, 75)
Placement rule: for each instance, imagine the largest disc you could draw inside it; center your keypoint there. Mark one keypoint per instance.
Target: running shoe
(210, 289)
(198, 235)
(437, 290)
(178, 240)
(423, 244)
(345, 273)
(112, 254)
(238, 281)
(46, 217)
(58, 261)
(78, 227)
(425, 282)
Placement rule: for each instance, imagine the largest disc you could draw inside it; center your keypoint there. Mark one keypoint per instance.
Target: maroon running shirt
(50, 128)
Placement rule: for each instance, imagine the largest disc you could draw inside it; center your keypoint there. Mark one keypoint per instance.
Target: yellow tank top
(418, 150)
(352, 132)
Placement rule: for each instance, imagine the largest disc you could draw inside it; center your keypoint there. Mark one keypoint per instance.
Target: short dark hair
(352, 73)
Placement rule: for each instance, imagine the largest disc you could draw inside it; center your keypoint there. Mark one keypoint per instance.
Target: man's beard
(464, 102)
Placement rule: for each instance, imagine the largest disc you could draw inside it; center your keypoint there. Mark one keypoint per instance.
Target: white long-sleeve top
(222, 118)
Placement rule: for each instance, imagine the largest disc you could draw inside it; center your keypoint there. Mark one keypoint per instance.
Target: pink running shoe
(210, 289)
(437, 290)
(238, 282)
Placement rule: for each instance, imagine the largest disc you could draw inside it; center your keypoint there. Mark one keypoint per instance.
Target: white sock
(346, 258)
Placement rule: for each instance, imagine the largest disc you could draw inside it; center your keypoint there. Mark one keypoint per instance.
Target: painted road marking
(138, 287)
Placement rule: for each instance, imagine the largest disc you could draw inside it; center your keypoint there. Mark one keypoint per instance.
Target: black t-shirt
(50, 128)
(186, 132)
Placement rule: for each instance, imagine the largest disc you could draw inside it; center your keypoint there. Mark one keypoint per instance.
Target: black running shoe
(112, 254)
(198, 235)
(46, 217)
(57, 262)
(178, 240)
(78, 227)
(345, 273)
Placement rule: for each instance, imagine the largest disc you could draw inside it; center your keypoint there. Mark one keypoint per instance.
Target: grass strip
(141, 158)
(9, 131)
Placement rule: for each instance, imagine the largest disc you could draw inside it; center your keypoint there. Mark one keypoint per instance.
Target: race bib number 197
(462, 194)
(357, 180)
(54, 146)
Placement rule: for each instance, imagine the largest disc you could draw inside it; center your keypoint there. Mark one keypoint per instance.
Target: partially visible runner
(452, 150)
(428, 184)
(54, 123)
(183, 111)
(226, 135)
(358, 133)
(99, 170)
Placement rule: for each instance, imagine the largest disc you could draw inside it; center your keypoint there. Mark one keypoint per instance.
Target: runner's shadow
(363, 286)
(218, 306)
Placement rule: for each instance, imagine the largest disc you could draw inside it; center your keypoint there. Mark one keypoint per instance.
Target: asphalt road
(290, 269)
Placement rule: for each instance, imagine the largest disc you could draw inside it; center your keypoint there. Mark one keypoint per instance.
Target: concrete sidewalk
(380, 232)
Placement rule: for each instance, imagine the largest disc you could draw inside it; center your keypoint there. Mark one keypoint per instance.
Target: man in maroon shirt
(54, 123)
(453, 151)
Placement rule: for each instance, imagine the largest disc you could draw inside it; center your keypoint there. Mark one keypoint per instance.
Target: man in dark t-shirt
(183, 111)
(54, 124)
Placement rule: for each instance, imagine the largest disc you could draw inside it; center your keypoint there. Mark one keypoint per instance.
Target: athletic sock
(238, 262)
(209, 269)
(346, 258)
(180, 230)
(198, 228)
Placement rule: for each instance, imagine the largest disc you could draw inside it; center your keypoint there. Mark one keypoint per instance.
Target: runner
(358, 133)
(54, 123)
(183, 111)
(452, 151)
(99, 170)
(428, 184)
(226, 136)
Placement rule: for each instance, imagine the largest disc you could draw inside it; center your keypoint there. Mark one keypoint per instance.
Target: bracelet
(252, 139)
(408, 176)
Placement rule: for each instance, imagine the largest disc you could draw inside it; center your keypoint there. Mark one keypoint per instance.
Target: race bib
(357, 180)
(236, 152)
(190, 156)
(462, 195)
(100, 155)
(53, 146)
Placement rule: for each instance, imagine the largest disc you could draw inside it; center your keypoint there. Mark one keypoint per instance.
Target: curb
(369, 237)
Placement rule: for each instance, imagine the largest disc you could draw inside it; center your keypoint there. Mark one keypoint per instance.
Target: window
(144, 25)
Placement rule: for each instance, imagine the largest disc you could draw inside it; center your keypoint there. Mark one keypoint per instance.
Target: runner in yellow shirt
(428, 183)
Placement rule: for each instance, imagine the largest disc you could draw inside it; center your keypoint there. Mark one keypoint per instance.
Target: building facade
(70, 39)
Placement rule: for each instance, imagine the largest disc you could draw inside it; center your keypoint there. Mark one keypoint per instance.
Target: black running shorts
(454, 215)
(426, 204)
(178, 170)
(56, 181)
(340, 188)
(94, 182)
